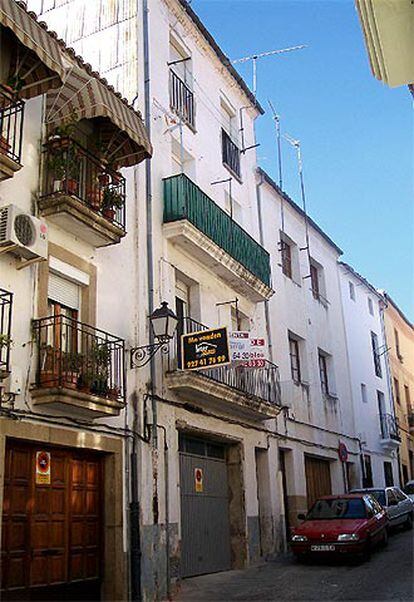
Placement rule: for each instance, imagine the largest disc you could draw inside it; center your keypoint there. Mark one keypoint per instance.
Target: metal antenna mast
(276, 119)
(255, 57)
(296, 145)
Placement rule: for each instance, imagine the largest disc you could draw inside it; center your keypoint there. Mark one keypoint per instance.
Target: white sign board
(247, 350)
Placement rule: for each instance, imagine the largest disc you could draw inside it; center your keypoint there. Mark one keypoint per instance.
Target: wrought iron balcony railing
(6, 303)
(230, 153)
(260, 383)
(72, 170)
(389, 427)
(185, 200)
(73, 355)
(182, 99)
(11, 125)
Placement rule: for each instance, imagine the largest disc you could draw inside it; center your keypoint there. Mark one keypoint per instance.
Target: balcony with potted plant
(11, 132)
(79, 368)
(82, 193)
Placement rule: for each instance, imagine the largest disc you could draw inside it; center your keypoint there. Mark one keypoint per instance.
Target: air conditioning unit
(26, 235)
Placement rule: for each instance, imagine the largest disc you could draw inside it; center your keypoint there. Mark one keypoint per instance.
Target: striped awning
(122, 134)
(32, 58)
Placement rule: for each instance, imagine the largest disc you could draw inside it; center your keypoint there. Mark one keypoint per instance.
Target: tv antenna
(254, 58)
(296, 145)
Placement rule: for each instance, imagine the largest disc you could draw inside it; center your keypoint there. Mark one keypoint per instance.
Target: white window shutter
(64, 291)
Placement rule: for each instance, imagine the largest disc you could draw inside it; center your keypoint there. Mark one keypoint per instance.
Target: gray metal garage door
(204, 508)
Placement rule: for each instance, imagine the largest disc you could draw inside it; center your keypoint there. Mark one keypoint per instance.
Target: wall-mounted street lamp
(163, 322)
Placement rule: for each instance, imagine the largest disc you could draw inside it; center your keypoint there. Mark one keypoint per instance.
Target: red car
(338, 524)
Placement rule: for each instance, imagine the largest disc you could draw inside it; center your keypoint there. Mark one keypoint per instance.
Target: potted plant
(100, 359)
(4, 145)
(64, 167)
(95, 194)
(49, 363)
(112, 200)
(5, 342)
(72, 363)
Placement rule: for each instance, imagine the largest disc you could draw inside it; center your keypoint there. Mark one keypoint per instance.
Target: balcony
(82, 194)
(182, 99)
(252, 393)
(230, 154)
(78, 368)
(390, 432)
(6, 302)
(11, 133)
(194, 222)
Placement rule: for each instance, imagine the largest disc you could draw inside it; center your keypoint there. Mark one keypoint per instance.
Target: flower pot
(70, 379)
(70, 185)
(95, 198)
(49, 378)
(57, 185)
(4, 145)
(103, 179)
(114, 393)
(109, 213)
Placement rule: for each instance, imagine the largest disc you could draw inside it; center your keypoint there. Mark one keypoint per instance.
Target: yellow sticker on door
(198, 480)
(42, 468)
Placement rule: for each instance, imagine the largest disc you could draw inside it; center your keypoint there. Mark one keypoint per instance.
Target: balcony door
(182, 310)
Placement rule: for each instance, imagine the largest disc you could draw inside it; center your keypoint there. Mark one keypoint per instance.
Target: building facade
(210, 464)
(400, 348)
(377, 426)
(307, 333)
(64, 485)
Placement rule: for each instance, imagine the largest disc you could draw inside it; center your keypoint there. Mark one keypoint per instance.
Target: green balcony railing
(185, 200)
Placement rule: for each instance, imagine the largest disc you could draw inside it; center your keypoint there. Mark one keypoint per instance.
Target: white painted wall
(359, 324)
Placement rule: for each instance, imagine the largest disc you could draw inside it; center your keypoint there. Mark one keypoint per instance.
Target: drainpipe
(148, 204)
(261, 238)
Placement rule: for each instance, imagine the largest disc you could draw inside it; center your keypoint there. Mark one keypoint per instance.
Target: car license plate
(324, 548)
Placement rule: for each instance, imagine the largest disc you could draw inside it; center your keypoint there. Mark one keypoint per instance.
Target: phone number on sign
(205, 361)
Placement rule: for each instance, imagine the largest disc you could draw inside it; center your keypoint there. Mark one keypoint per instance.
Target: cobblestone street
(387, 576)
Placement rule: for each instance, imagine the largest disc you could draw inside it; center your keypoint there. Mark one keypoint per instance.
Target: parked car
(399, 507)
(341, 524)
(409, 490)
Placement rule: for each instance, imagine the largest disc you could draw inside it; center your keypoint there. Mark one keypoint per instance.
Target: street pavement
(389, 575)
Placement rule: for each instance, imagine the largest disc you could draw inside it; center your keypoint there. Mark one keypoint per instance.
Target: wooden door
(51, 533)
(318, 479)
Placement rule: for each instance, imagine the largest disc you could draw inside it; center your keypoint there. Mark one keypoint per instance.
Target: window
(407, 398)
(181, 82)
(323, 373)
(229, 139)
(366, 471)
(382, 414)
(397, 345)
(390, 495)
(376, 355)
(351, 291)
(364, 393)
(294, 359)
(233, 208)
(314, 276)
(286, 254)
(397, 391)
(370, 306)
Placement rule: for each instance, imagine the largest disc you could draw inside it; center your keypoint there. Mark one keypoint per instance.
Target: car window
(409, 489)
(374, 504)
(337, 508)
(399, 495)
(370, 506)
(390, 497)
(379, 495)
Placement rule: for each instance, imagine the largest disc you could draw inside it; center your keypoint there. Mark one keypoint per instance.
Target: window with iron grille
(230, 153)
(286, 256)
(181, 83)
(323, 373)
(294, 359)
(376, 355)
(314, 276)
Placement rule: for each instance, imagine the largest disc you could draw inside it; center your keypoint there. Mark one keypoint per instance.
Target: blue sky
(356, 134)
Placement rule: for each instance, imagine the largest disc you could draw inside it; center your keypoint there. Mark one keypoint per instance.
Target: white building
(307, 333)
(64, 481)
(192, 242)
(377, 428)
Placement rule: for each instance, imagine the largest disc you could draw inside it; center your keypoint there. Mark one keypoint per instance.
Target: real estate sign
(205, 349)
(247, 350)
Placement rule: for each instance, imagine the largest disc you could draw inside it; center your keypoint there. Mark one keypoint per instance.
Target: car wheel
(409, 522)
